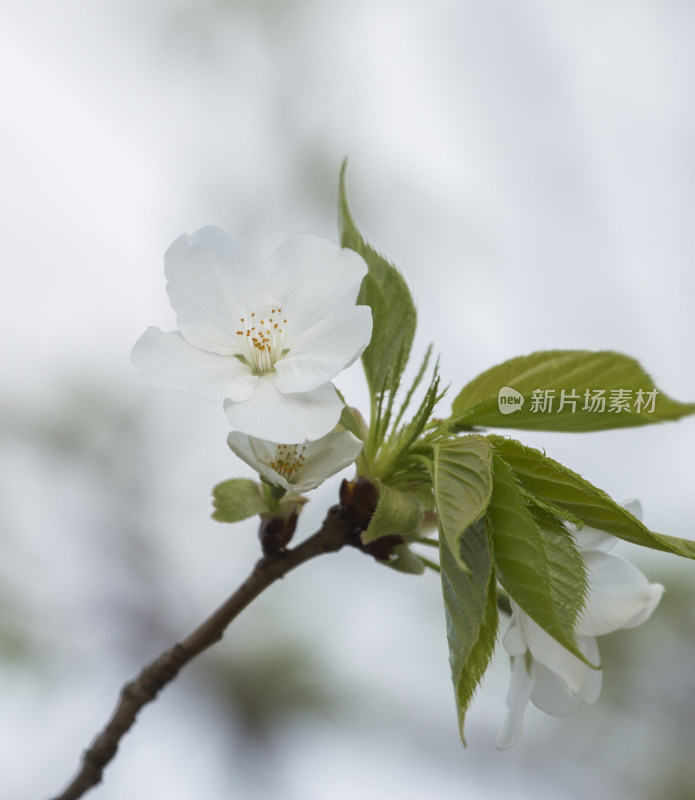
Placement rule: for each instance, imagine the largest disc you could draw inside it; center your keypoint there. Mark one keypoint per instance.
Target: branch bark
(334, 533)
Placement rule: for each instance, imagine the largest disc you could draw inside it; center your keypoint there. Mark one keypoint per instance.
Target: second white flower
(297, 467)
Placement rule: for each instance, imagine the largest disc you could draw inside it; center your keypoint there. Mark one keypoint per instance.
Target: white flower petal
(292, 417)
(324, 277)
(314, 462)
(593, 680)
(550, 695)
(634, 507)
(258, 454)
(168, 361)
(326, 456)
(213, 280)
(520, 686)
(619, 594)
(321, 352)
(589, 538)
(656, 591)
(552, 654)
(513, 640)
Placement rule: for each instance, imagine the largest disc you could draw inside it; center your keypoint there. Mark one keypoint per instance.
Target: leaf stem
(429, 563)
(429, 542)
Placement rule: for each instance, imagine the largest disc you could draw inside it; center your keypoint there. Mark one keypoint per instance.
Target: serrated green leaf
(471, 612)
(237, 499)
(398, 461)
(579, 374)
(462, 478)
(548, 509)
(416, 383)
(393, 312)
(557, 484)
(396, 512)
(538, 564)
(410, 432)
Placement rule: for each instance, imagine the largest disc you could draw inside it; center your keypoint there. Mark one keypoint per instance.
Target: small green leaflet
(393, 312)
(462, 478)
(590, 391)
(558, 485)
(539, 565)
(397, 457)
(396, 512)
(470, 604)
(237, 499)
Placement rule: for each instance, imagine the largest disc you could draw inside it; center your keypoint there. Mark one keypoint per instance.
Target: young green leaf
(558, 485)
(537, 563)
(462, 478)
(393, 312)
(416, 383)
(237, 499)
(471, 611)
(565, 390)
(396, 512)
(397, 461)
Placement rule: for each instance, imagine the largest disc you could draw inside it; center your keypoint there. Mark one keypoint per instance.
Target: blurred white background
(531, 169)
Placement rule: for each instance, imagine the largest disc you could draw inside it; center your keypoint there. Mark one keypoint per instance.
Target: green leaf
(462, 478)
(396, 512)
(557, 484)
(399, 460)
(416, 383)
(393, 312)
(237, 499)
(587, 391)
(548, 509)
(382, 408)
(471, 611)
(538, 563)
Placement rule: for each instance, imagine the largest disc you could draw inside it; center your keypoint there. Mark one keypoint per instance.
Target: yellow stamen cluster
(289, 459)
(262, 340)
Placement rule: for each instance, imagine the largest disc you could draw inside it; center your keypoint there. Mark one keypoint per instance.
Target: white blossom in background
(265, 336)
(543, 671)
(297, 467)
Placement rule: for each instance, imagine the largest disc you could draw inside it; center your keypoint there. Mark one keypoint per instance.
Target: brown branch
(331, 537)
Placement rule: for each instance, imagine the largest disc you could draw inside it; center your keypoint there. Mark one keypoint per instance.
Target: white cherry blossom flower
(297, 467)
(266, 337)
(547, 674)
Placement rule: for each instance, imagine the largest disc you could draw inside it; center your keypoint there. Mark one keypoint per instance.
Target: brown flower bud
(276, 533)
